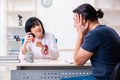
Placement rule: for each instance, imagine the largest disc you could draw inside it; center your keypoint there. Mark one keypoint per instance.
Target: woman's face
(37, 30)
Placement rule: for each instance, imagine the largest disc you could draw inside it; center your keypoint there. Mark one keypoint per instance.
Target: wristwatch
(46, 3)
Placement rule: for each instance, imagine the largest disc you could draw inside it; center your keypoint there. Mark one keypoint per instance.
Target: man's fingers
(87, 24)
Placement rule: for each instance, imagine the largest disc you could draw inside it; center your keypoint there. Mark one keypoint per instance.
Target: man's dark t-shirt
(104, 42)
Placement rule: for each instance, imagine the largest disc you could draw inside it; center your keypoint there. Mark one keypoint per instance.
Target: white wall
(2, 28)
(59, 19)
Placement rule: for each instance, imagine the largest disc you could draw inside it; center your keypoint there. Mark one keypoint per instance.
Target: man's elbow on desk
(79, 63)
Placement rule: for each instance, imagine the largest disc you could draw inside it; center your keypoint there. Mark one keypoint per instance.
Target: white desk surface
(39, 62)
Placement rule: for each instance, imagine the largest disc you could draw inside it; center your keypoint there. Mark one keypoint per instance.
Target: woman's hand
(44, 50)
(39, 44)
(29, 37)
(80, 24)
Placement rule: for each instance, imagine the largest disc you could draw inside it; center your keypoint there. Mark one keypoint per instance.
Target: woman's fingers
(28, 37)
(39, 44)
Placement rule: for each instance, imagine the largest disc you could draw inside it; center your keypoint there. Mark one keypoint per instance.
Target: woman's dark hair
(33, 21)
(88, 12)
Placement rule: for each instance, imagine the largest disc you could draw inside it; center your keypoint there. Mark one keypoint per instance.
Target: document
(69, 60)
(9, 59)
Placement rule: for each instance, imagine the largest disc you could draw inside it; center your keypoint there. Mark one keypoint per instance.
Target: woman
(97, 42)
(41, 43)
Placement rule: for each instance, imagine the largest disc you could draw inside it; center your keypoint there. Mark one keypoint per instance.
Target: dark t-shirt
(104, 42)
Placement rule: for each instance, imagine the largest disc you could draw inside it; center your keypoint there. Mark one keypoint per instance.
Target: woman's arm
(53, 48)
(23, 49)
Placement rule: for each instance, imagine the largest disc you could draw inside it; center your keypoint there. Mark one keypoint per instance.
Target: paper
(70, 61)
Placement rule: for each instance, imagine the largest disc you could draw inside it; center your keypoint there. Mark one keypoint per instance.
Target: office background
(58, 19)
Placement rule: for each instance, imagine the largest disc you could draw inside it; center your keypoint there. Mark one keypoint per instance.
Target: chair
(116, 73)
(22, 41)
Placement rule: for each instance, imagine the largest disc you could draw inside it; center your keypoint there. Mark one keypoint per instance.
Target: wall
(59, 19)
(2, 29)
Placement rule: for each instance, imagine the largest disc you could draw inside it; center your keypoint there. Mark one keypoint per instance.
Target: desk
(47, 70)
